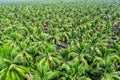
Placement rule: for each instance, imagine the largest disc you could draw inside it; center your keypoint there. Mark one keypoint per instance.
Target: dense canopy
(60, 41)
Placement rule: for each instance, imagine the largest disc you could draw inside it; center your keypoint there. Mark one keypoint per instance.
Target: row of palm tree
(62, 41)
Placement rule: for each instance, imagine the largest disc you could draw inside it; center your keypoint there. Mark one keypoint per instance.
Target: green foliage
(60, 41)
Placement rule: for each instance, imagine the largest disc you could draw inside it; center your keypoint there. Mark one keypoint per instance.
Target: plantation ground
(60, 41)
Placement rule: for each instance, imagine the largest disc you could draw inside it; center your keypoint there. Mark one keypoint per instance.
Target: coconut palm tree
(46, 53)
(107, 65)
(44, 73)
(54, 35)
(11, 64)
